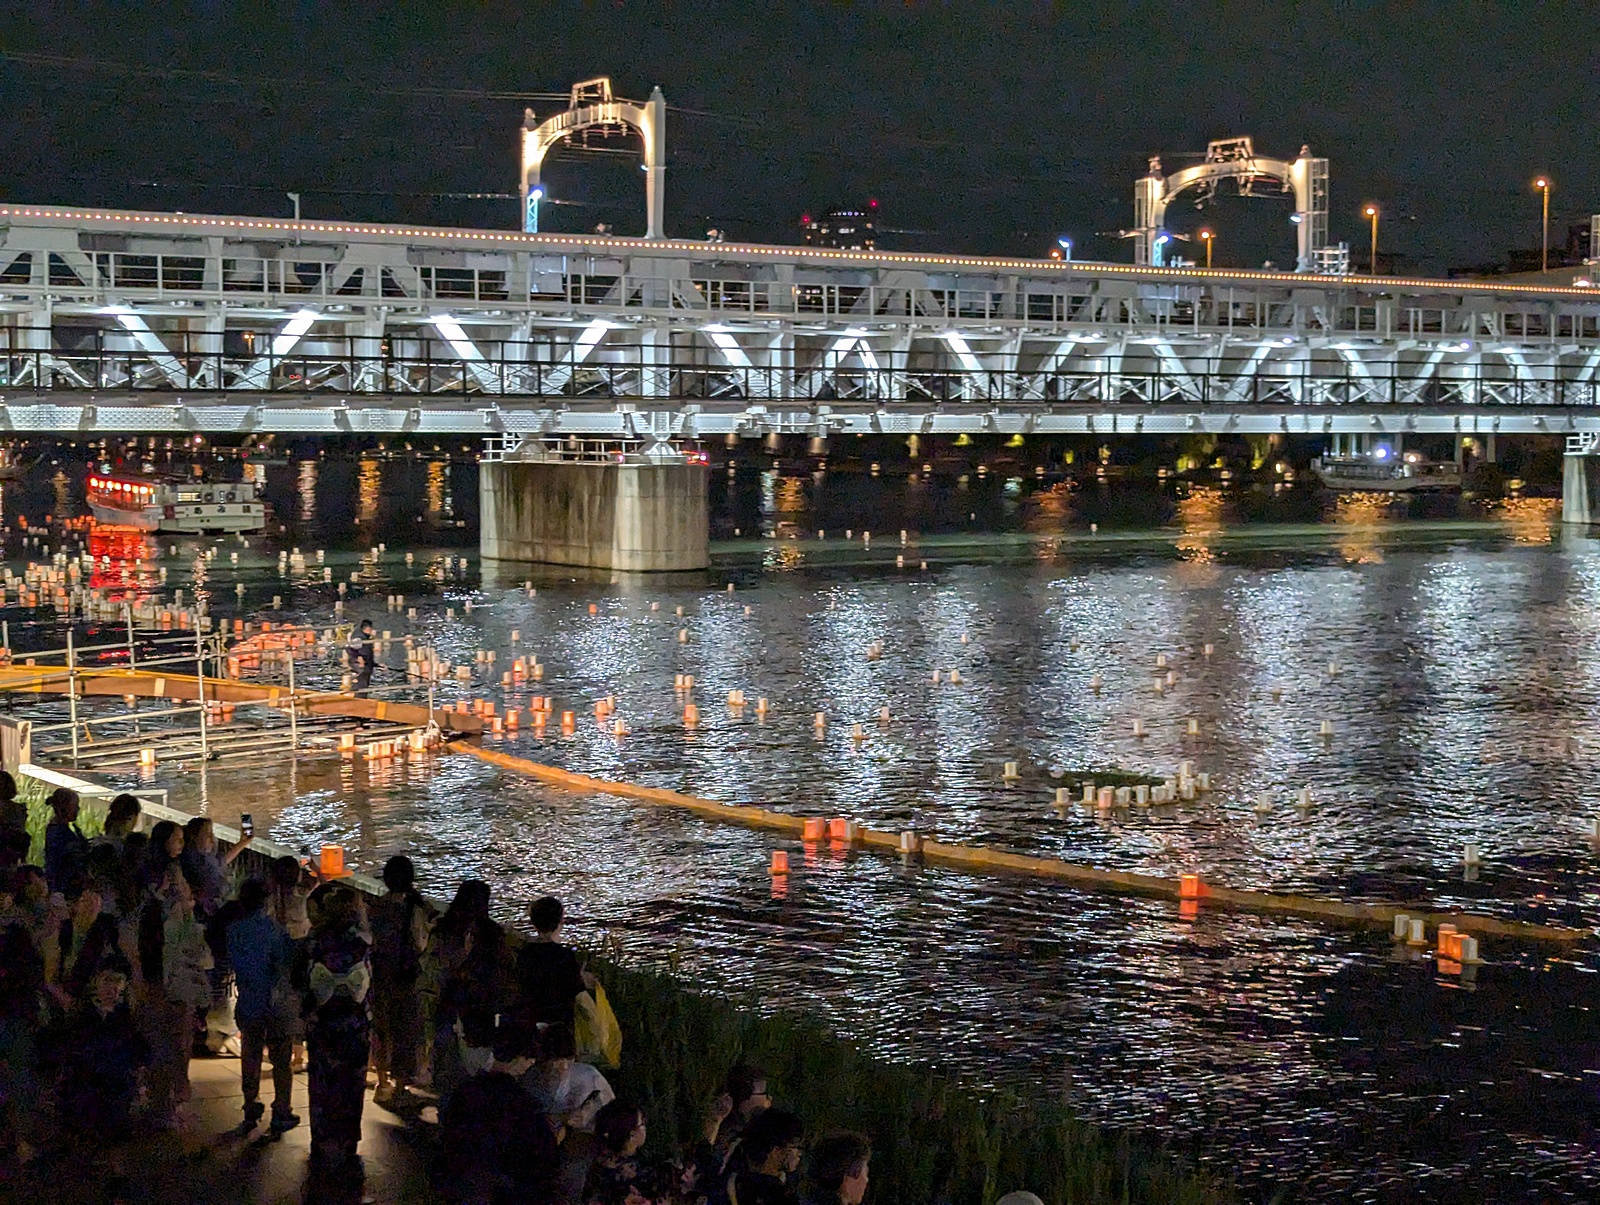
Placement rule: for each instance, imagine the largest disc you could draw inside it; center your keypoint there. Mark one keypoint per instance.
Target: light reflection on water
(1463, 698)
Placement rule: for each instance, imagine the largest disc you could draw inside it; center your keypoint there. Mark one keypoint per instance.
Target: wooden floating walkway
(980, 859)
(54, 679)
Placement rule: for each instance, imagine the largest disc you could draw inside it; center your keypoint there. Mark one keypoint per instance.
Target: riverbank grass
(935, 1140)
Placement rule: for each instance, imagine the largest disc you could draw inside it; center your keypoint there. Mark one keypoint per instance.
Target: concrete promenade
(206, 1161)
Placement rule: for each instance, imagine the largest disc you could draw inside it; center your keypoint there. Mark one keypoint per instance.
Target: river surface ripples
(1457, 659)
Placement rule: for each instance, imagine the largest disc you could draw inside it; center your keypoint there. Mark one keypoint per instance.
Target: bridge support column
(1580, 488)
(639, 517)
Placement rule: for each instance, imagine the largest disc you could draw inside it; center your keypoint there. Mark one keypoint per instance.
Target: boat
(1382, 472)
(176, 506)
(13, 466)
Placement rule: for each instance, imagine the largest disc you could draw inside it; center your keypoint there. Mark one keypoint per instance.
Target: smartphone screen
(247, 825)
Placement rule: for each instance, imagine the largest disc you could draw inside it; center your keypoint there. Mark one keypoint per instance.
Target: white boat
(194, 507)
(1380, 472)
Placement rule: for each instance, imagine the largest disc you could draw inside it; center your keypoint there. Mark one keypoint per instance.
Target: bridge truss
(122, 321)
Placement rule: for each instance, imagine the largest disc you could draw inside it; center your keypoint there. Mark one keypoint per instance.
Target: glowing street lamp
(1372, 214)
(1207, 237)
(534, 197)
(1543, 185)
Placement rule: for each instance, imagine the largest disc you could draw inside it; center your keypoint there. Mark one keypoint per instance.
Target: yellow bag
(599, 1036)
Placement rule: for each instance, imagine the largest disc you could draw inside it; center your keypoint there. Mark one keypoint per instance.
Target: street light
(1543, 185)
(1372, 213)
(534, 197)
(1206, 236)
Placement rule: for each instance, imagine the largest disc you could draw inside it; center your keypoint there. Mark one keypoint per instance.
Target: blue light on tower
(531, 222)
(1158, 256)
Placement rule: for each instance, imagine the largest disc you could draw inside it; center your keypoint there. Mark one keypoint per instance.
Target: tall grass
(936, 1141)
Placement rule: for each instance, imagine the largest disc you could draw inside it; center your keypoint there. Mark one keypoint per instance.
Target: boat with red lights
(176, 506)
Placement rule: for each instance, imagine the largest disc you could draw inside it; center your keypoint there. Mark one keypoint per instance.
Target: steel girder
(118, 320)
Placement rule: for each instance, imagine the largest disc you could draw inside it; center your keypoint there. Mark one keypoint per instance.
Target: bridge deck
(116, 320)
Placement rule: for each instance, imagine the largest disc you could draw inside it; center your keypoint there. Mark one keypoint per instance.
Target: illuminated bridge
(120, 321)
(114, 321)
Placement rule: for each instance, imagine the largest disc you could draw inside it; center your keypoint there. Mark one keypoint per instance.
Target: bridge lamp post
(1065, 247)
(1207, 238)
(1543, 185)
(534, 197)
(1372, 214)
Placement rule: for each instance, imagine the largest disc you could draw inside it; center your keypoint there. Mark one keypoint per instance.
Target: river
(1453, 647)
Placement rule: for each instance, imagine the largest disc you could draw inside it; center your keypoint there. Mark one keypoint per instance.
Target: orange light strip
(897, 258)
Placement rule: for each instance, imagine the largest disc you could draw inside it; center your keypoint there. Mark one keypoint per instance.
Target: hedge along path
(980, 859)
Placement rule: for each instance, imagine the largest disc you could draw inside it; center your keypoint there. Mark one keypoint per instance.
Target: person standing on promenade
(400, 922)
(471, 949)
(262, 957)
(122, 817)
(288, 894)
(549, 972)
(335, 974)
(100, 1054)
(13, 812)
(23, 1010)
(494, 1143)
(65, 848)
(174, 961)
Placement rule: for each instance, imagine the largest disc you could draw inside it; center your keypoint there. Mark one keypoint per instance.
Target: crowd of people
(124, 956)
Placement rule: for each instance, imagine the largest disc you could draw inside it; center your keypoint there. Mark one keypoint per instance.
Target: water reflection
(1458, 665)
(369, 488)
(306, 477)
(1361, 517)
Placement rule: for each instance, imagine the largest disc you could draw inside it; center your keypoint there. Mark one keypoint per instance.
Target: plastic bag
(599, 1036)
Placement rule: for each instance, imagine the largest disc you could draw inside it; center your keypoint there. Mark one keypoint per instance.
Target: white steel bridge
(125, 321)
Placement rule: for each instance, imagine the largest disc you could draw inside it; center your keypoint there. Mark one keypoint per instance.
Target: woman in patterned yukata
(335, 975)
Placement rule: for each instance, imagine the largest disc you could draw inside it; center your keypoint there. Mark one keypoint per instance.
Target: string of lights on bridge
(593, 243)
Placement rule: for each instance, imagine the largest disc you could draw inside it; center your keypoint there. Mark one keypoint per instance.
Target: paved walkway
(205, 1162)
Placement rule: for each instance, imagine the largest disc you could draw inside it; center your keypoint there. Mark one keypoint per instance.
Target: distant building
(846, 229)
(1581, 247)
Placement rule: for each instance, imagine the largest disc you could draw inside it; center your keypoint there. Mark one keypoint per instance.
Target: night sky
(983, 127)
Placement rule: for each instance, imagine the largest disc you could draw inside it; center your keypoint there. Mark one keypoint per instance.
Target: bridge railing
(1194, 382)
(849, 294)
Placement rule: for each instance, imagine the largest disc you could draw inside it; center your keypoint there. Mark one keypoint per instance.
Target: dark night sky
(988, 127)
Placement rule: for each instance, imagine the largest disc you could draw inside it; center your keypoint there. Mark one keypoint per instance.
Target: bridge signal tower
(1256, 176)
(592, 109)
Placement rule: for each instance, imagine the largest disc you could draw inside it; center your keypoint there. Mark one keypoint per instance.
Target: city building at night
(843, 228)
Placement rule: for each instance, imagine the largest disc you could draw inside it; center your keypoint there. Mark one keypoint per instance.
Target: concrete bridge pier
(1580, 486)
(642, 512)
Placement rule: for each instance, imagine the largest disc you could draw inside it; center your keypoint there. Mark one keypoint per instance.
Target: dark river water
(1454, 647)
